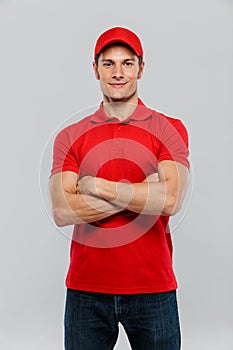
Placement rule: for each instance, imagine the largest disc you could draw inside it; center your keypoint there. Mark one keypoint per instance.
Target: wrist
(106, 189)
(117, 193)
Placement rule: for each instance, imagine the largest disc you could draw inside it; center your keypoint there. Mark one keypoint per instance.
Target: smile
(117, 85)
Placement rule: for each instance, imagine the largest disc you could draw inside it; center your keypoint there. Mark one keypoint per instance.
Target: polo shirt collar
(140, 113)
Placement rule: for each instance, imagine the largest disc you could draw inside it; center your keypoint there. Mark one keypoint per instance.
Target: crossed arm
(91, 199)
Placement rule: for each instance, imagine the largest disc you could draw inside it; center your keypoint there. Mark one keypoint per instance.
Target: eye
(107, 64)
(128, 63)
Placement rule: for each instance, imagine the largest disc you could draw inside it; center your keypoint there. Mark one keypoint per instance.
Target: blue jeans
(150, 321)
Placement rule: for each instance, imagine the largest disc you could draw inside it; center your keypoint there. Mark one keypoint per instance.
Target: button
(117, 128)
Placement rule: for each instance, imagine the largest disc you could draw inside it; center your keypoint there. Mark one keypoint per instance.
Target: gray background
(45, 77)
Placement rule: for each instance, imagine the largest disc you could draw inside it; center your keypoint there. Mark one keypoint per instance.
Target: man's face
(118, 71)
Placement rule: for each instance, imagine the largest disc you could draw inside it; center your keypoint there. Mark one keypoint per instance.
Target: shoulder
(166, 118)
(168, 121)
(72, 132)
(166, 127)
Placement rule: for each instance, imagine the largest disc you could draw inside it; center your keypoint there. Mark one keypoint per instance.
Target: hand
(152, 178)
(87, 185)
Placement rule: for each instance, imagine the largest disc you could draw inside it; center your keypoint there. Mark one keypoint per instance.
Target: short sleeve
(64, 158)
(174, 144)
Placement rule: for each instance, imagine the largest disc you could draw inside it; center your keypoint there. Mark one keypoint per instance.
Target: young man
(117, 176)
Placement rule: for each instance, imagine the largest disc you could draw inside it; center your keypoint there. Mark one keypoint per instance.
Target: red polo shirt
(127, 252)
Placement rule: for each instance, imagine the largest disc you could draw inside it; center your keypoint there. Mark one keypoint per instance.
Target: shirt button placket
(117, 144)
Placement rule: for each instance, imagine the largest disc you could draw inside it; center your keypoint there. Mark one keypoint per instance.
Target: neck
(120, 109)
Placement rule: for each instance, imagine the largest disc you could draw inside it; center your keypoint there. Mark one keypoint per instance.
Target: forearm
(78, 208)
(160, 193)
(148, 198)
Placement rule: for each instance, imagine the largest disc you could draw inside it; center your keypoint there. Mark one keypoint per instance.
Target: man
(117, 176)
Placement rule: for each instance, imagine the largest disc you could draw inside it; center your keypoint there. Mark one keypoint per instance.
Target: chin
(118, 98)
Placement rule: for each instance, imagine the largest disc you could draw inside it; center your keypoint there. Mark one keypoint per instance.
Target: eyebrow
(111, 61)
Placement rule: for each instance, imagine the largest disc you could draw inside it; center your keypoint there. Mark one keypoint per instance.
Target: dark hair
(98, 55)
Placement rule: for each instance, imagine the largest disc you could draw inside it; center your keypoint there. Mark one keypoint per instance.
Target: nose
(117, 72)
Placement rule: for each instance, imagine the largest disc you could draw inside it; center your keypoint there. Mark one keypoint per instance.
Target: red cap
(119, 35)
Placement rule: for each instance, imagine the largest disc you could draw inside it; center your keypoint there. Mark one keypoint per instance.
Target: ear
(141, 69)
(96, 71)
